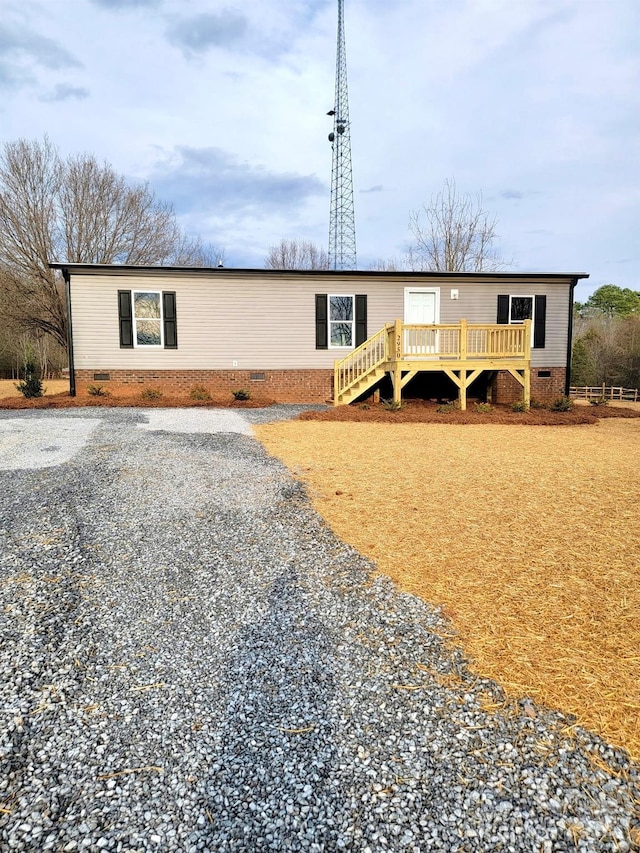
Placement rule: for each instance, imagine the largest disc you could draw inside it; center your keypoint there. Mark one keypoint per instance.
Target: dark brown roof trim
(125, 268)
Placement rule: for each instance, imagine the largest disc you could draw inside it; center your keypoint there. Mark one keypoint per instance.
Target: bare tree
(387, 265)
(79, 211)
(296, 254)
(454, 234)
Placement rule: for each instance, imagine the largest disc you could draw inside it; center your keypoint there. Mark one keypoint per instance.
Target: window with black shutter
(514, 309)
(147, 318)
(341, 320)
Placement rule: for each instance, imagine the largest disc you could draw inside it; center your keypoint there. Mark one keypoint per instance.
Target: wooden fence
(605, 392)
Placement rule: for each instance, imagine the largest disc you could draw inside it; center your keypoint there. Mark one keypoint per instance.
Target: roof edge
(78, 267)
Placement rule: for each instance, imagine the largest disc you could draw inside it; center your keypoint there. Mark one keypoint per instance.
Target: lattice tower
(342, 227)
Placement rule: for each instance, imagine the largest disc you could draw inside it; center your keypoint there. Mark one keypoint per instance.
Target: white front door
(421, 307)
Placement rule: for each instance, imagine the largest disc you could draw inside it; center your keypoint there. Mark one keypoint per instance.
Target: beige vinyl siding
(478, 303)
(260, 324)
(268, 323)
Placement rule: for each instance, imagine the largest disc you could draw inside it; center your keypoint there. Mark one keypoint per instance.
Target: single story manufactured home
(322, 335)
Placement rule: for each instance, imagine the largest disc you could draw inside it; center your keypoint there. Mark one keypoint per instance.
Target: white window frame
(134, 320)
(352, 297)
(533, 308)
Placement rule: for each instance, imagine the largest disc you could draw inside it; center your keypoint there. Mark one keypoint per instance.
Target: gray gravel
(191, 661)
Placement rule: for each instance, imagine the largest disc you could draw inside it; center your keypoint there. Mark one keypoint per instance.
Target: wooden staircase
(361, 369)
(361, 385)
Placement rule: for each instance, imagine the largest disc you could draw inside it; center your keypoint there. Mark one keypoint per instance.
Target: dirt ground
(526, 536)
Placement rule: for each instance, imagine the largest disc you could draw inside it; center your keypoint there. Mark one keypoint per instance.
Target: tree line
(606, 348)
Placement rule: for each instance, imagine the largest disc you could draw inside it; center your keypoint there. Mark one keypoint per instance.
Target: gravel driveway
(192, 661)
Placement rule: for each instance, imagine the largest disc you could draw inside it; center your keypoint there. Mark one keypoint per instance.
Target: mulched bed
(420, 411)
(166, 401)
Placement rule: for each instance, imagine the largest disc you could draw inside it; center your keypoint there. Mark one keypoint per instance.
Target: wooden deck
(461, 351)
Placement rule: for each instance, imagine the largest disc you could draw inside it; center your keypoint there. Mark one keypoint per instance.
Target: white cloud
(198, 33)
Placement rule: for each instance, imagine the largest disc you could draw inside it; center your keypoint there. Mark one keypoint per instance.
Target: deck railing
(463, 341)
(446, 344)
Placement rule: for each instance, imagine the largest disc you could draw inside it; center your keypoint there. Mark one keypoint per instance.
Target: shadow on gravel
(271, 782)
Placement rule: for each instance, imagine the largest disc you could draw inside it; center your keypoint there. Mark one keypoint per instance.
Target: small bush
(519, 406)
(484, 408)
(31, 385)
(151, 394)
(98, 391)
(451, 406)
(391, 406)
(199, 392)
(599, 401)
(536, 404)
(364, 406)
(241, 394)
(562, 404)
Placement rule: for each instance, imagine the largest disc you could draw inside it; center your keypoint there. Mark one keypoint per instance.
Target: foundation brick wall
(301, 386)
(284, 386)
(543, 388)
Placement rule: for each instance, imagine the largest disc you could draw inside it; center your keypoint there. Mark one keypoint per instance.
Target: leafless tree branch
(296, 254)
(453, 233)
(78, 211)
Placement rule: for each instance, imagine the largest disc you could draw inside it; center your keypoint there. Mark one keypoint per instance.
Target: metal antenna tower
(342, 227)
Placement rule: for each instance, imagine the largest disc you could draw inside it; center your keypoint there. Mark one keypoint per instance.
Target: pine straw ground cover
(526, 536)
(153, 395)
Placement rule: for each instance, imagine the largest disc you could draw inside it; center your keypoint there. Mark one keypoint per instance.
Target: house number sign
(399, 347)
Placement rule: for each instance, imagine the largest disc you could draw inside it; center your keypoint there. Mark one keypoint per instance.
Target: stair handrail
(360, 362)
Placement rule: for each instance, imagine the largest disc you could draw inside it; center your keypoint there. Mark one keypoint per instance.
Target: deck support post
(463, 390)
(527, 368)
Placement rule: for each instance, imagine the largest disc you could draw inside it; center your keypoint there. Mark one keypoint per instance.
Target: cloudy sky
(222, 106)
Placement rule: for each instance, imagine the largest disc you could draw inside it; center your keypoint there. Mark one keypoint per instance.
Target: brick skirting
(544, 388)
(284, 386)
(302, 386)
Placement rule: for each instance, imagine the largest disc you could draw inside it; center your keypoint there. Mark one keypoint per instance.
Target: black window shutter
(503, 309)
(540, 322)
(169, 317)
(322, 331)
(361, 319)
(125, 318)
